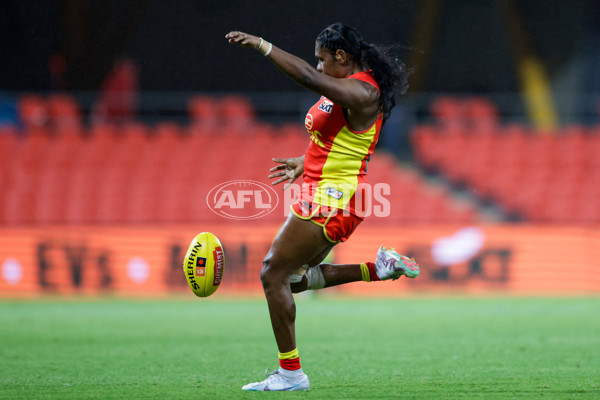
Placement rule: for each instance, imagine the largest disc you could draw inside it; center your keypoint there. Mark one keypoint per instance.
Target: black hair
(389, 72)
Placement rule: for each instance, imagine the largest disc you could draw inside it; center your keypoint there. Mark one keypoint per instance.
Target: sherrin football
(204, 264)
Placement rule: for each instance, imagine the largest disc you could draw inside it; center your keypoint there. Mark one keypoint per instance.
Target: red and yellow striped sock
(290, 360)
(368, 273)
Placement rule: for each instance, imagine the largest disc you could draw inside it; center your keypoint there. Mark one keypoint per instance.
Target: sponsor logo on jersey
(306, 208)
(326, 106)
(333, 192)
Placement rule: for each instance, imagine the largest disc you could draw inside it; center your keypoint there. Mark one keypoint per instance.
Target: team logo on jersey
(314, 136)
(308, 122)
(326, 106)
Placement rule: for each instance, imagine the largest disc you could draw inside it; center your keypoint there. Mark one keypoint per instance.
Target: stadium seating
(540, 176)
(56, 171)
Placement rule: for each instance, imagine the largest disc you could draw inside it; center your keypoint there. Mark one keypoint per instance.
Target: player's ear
(341, 56)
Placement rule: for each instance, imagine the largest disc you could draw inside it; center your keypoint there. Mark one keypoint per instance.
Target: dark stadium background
(179, 46)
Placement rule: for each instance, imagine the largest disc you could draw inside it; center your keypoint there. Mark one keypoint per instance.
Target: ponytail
(389, 72)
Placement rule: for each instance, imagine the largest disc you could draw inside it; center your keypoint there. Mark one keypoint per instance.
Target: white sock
(291, 374)
(314, 278)
(300, 272)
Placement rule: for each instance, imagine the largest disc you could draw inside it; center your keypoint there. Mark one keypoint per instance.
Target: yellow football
(204, 264)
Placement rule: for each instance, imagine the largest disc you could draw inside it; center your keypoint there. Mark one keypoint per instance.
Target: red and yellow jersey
(337, 156)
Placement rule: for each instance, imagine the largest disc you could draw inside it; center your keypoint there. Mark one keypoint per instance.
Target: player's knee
(268, 274)
(274, 274)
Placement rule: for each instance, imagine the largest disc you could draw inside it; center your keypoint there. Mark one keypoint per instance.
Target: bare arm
(352, 94)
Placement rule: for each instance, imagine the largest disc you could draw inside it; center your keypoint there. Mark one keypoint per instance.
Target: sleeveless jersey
(336, 160)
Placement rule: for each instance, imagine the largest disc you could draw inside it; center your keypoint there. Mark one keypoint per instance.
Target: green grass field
(413, 348)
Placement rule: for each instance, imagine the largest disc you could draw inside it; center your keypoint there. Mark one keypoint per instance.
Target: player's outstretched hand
(243, 39)
(289, 169)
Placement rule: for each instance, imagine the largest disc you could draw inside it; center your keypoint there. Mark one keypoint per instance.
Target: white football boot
(391, 265)
(278, 381)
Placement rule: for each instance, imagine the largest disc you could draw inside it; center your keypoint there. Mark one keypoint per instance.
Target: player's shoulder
(365, 76)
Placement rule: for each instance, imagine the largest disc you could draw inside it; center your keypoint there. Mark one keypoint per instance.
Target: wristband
(270, 48)
(259, 48)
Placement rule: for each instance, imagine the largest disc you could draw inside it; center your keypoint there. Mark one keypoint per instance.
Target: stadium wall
(146, 261)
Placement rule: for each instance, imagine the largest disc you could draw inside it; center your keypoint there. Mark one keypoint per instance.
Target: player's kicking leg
(388, 265)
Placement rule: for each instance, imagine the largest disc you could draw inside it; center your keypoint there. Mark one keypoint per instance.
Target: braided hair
(389, 72)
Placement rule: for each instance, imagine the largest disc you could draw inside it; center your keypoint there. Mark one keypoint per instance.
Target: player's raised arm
(348, 93)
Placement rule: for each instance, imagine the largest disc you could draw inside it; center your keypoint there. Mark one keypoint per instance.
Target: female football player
(358, 83)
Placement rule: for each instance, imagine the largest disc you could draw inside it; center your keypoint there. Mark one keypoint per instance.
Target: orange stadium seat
(55, 177)
(592, 149)
(449, 111)
(88, 173)
(8, 148)
(63, 111)
(204, 111)
(25, 168)
(32, 110)
(482, 114)
(236, 109)
(455, 155)
(587, 208)
(428, 145)
(202, 107)
(429, 206)
(83, 193)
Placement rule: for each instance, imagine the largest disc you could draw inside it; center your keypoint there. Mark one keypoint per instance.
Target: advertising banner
(147, 261)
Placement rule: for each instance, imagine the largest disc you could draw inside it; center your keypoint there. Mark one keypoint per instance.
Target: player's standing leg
(297, 243)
